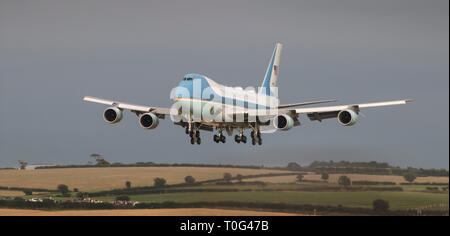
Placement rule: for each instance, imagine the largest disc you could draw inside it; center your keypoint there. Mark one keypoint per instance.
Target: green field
(93, 180)
(397, 200)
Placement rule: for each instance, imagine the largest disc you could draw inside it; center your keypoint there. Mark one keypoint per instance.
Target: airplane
(199, 103)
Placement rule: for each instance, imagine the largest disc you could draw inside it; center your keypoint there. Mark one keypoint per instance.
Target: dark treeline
(434, 184)
(371, 164)
(152, 189)
(41, 190)
(152, 164)
(319, 209)
(372, 167)
(252, 176)
(372, 183)
(171, 189)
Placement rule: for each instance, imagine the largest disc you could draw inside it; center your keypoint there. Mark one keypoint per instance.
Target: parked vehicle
(35, 200)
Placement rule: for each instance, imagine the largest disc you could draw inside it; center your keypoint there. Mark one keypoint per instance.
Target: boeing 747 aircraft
(199, 103)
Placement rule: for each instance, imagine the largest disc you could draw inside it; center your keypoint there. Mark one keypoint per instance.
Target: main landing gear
(220, 137)
(241, 137)
(195, 136)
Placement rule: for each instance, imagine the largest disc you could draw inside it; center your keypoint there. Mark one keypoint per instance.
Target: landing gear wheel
(244, 139)
(216, 138)
(192, 141)
(199, 141)
(237, 139)
(253, 141)
(259, 141)
(222, 139)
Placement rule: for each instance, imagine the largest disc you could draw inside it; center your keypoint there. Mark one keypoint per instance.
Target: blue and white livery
(200, 103)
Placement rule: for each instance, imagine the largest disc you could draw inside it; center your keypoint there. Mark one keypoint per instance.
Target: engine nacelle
(112, 115)
(148, 120)
(347, 117)
(283, 122)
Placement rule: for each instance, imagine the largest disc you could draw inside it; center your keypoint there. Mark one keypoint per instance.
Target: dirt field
(6, 193)
(91, 179)
(143, 212)
(354, 177)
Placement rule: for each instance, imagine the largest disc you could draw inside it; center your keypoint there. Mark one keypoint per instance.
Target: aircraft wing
(319, 113)
(132, 107)
(304, 103)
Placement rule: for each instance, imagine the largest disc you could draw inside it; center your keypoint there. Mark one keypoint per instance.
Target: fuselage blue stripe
(185, 90)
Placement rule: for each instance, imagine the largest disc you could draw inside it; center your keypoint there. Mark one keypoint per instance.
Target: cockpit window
(187, 79)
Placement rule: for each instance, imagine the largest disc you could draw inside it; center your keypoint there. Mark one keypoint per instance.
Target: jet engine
(148, 120)
(112, 115)
(347, 117)
(283, 122)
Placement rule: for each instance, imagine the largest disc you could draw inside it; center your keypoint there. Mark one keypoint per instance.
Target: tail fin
(271, 77)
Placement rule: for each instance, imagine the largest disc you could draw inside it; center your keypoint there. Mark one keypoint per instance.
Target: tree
(122, 198)
(344, 181)
(63, 189)
(380, 205)
(293, 166)
(23, 164)
(409, 177)
(81, 195)
(75, 190)
(128, 184)
(227, 177)
(300, 178)
(325, 176)
(27, 192)
(159, 182)
(189, 179)
(99, 159)
(239, 177)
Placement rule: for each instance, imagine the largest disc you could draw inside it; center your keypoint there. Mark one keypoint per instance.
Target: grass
(142, 212)
(307, 186)
(398, 200)
(333, 178)
(95, 179)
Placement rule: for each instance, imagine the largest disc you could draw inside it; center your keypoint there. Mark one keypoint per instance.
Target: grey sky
(52, 53)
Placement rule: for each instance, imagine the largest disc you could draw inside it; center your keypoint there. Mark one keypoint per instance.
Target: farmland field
(333, 178)
(277, 189)
(7, 193)
(142, 212)
(397, 200)
(93, 179)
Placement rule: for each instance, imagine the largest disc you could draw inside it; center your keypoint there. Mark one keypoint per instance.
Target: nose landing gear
(256, 138)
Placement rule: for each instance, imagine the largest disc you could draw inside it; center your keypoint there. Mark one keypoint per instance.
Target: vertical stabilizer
(271, 77)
